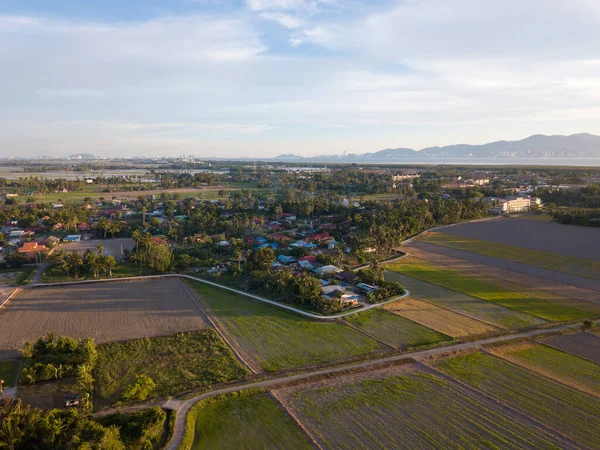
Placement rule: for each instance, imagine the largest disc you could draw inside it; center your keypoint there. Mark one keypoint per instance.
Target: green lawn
(126, 269)
(276, 339)
(469, 306)
(411, 411)
(8, 373)
(562, 366)
(518, 301)
(246, 420)
(569, 264)
(176, 363)
(575, 414)
(396, 330)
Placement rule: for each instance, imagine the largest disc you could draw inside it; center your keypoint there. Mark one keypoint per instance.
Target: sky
(259, 78)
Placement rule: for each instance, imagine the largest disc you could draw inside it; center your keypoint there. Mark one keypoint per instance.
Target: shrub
(140, 389)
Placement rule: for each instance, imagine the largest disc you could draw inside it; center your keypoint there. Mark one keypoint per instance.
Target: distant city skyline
(259, 78)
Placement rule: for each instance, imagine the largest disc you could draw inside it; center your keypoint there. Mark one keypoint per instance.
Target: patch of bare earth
(585, 345)
(107, 312)
(576, 297)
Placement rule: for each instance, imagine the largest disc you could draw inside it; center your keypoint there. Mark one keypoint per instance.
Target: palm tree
(109, 264)
(100, 249)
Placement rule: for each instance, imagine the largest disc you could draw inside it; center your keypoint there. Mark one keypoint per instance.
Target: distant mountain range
(538, 146)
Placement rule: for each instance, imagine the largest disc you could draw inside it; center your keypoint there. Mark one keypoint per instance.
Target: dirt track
(106, 312)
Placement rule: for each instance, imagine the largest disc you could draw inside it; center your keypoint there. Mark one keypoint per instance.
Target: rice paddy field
(474, 287)
(475, 308)
(573, 413)
(563, 263)
(442, 320)
(584, 345)
(397, 331)
(409, 409)
(561, 366)
(246, 420)
(276, 339)
(176, 364)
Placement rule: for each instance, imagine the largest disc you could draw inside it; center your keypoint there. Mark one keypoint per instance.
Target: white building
(513, 204)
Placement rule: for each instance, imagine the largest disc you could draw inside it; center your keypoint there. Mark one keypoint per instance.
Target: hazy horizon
(259, 78)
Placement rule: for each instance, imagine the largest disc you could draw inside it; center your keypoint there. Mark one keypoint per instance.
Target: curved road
(185, 406)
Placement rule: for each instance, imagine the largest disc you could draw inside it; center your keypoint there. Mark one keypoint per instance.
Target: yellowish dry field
(439, 319)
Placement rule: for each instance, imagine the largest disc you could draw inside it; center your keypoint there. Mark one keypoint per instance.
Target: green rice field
(469, 306)
(545, 260)
(245, 420)
(276, 339)
(573, 413)
(396, 330)
(518, 301)
(416, 410)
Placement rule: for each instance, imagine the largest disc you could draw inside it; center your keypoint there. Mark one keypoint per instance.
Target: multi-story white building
(513, 204)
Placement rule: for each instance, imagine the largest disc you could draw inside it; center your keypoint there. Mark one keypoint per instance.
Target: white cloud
(284, 20)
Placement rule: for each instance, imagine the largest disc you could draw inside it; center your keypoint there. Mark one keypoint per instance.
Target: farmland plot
(409, 408)
(457, 281)
(276, 339)
(439, 319)
(584, 345)
(561, 366)
(244, 420)
(573, 413)
(569, 264)
(398, 331)
(105, 312)
(470, 306)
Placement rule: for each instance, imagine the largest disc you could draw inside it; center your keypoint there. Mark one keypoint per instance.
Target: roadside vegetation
(518, 301)
(573, 413)
(143, 369)
(8, 373)
(246, 419)
(277, 339)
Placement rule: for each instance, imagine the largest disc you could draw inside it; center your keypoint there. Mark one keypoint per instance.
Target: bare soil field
(584, 299)
(475, 308)
(566, 240)
(582, 287)
(439, 319)
(409, 407)
(584, 345)
(106, 312)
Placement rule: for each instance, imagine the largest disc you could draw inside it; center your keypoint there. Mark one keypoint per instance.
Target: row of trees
(91, 263)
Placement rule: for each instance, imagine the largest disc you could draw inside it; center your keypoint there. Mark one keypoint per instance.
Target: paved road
(179, 430)
(227, 288)
(40, 272)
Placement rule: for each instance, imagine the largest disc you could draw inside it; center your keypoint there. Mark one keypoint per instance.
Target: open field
(438, 319)
(543, 287)
(113, 247)
(561, 366)
(395, 330)
(176, 363)
(458, 281)
(276, 339)
(106, 312)
(409, 408)
(470, 306)
(546, 237)
(587, 266)
(585, 345)
(573, 413)
(247, 419)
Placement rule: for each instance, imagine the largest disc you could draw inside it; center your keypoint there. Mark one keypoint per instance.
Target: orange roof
(32, 247)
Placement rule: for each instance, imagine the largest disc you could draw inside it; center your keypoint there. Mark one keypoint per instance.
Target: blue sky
(264, 77)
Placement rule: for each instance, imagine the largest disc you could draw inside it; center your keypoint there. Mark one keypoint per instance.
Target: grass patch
(518, 301)
(176, 363)
(573, 413)
(470, 306)
(546, 260)
(276, 339)
(8, 373)
(247, 419)
(396, 330)
(570, 369)
(126, 269)
(417, 410)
